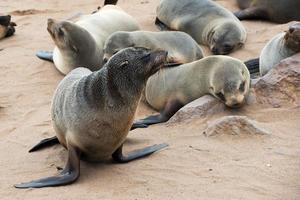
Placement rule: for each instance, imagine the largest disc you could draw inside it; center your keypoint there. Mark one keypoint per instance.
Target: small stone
(234, 125)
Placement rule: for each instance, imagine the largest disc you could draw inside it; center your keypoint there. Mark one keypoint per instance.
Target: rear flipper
(112, 2)
(161, 26)
(140, 153)
(170, 109)
(68, 175)
(253, 65)
(252, 13)
(45, 55)
(45, 143)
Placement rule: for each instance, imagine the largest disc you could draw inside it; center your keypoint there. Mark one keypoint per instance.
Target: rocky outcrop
(281, 85)
(201, 107)
(234, 125)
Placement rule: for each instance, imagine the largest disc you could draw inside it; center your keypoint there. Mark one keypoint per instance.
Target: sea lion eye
(221, 96)
(146, 57)
(242, 87)
(227, 46)
(60, 32)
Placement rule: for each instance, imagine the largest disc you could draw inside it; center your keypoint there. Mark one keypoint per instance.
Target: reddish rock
(198, 108)
(234, 125)
(281, 85)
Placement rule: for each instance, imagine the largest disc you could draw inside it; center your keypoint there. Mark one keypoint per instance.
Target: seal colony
(181, 47)
(207, 22)
(279, 11)
(224, 77)
(80, 44)
(7, 27)
(92, 112)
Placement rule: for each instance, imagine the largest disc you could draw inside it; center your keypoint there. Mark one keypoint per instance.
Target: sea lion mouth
(235, 104)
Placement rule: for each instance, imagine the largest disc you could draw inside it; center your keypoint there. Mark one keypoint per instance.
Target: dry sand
(193, 167)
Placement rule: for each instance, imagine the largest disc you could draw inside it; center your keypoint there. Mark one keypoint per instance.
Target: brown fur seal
(92, 112)
(80, 44)
(224, 77)
(7, 28)
(279, 11)
(181, 47)
(206, 21)
(280, 47)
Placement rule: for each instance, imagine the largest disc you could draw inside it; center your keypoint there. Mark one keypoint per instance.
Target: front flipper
(45, 143)
(152, 119)
(170, 109)
(161, 26)
(252, 65)
(252, 13)
(69, 174)
(45, 55)
(134, 126)
(136, 154)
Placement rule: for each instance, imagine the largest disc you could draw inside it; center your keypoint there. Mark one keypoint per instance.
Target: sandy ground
(193, 167)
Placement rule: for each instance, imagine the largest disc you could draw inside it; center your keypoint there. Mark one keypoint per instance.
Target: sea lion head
(69, 36)
(117, 41)
(226, 37)
(230, 83)
(136, 64)
(6, 26)
(292, 37)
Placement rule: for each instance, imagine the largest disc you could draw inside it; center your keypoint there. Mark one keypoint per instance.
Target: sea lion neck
(107, 86)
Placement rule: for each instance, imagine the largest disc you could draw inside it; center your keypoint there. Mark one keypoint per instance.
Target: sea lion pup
(279, 11)
(92, 112)
(224, 77)
(80, 44)
(280, 47)
(7, 28)
(206, 21)
(181, 47)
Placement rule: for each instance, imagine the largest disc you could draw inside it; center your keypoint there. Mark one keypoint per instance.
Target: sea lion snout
(50, 26)
(235, 101)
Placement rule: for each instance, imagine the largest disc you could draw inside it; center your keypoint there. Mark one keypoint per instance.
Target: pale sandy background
(193, 167)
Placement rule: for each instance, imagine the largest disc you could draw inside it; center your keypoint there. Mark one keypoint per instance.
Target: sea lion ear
(211, 89)
(240, 44)
(74, 48)
(124, 63)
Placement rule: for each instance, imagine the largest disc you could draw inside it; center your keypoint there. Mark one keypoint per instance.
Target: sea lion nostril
(291, 29)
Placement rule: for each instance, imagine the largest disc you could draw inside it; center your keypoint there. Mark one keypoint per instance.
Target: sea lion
(206, 21)
(181, 47)
(7, 27)
(279, 11)
(280, 47)
(92, 112)
(224, 77)
(80, 44)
